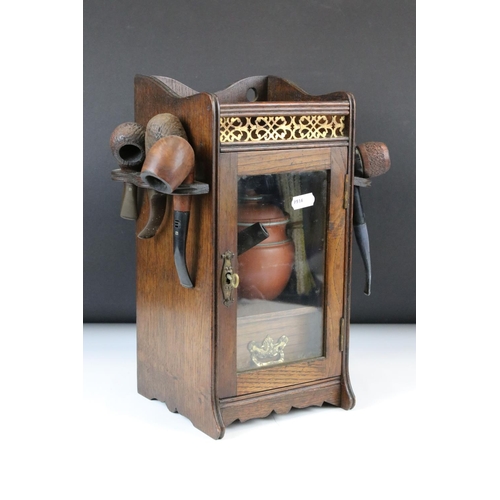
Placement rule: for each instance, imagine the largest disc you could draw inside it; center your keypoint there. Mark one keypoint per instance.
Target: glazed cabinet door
(281, 232)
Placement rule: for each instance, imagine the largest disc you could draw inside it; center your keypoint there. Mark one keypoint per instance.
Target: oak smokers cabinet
(243, 269)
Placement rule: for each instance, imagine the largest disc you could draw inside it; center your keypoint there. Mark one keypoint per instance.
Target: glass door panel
(281, 262)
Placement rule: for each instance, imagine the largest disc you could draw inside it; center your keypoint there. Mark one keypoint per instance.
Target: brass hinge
(342, 334)
(347, 191)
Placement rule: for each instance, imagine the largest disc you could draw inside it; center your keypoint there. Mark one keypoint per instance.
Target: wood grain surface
(280, 401)
(175, 325)
(186, 338)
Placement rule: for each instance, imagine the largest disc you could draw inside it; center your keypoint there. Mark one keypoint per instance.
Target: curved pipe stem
(181, 224)
(157, 207)
(361, 234)
(182, 208)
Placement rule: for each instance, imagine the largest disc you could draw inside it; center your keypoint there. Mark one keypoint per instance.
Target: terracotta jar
(265, 269)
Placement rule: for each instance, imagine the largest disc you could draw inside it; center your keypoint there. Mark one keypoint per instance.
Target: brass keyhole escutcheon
(229, 279)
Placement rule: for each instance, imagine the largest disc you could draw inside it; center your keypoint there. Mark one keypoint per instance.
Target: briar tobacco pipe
(169, 163)
(158, 127)
(371, 160)
(127, 143)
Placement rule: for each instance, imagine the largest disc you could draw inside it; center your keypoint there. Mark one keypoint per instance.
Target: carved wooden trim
(281, 401)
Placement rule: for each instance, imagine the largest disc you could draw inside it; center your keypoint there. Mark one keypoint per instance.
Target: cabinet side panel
(347, 399)
(175, 325)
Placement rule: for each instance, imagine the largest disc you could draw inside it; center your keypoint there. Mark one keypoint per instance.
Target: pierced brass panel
(280, 128)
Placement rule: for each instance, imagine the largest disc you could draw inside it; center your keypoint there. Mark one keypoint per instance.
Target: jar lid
(252, 208)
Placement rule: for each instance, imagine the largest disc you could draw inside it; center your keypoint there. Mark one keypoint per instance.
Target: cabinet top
(256, 90)
(261, 112)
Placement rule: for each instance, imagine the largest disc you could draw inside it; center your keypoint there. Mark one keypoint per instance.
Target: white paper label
(303, 201)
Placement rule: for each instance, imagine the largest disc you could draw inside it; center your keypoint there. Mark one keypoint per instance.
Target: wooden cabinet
(228, 348)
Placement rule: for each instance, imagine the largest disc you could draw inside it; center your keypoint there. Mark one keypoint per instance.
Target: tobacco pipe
(158, 127)
(371, 160)
(169, 163)
(157, 208)
(127, 143)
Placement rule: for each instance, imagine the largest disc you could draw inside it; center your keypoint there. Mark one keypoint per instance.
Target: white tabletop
(135, 445)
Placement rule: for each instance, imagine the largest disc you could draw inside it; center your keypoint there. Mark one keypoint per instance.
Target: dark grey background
(363, 46)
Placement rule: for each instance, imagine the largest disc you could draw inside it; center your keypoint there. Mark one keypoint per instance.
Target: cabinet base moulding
(261, 405)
